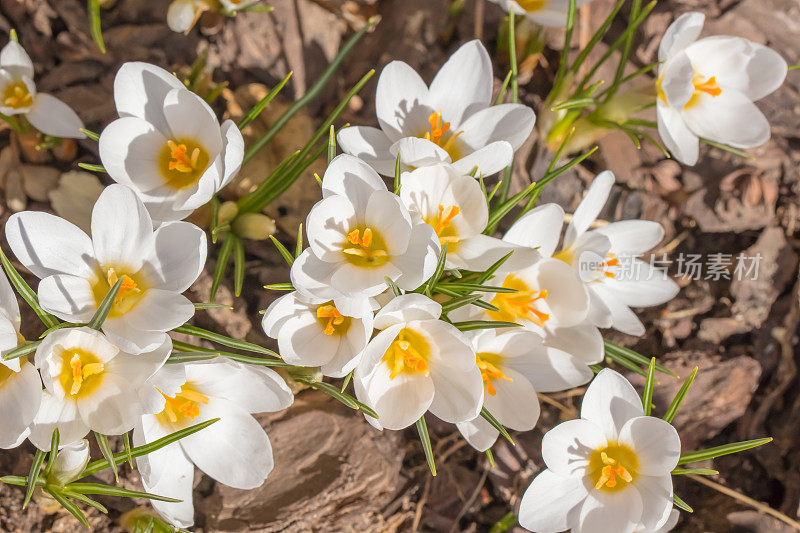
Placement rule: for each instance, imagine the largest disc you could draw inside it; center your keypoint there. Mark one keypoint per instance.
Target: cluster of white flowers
(374, 291)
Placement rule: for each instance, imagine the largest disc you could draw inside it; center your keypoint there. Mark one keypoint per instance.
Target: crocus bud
(253, 226)
(70, 461)
(227, 212)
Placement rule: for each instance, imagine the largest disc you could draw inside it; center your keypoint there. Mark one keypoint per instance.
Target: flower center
(130, 292)
(332, 320)
(489, 365)
(81, 372)
(442, 224)
(17, 96)
(183, 162)
(532, 5)
(409, 353)
(612, 468)
(519, 305)
(703, 85)
(365, 248)
(185, 406)
(441, 135)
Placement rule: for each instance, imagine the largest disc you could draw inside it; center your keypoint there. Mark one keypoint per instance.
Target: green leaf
(20, 481)
(222, 265)
(497, 425)
(727, 148)
(92, 168)
(67, 504)
(502, 94)
(505, 523)
(512, 55)
(473, 287)
(191, 357)
(669, 416)
(85, 500)
(425, 439)
(634, 356)
(62, 325)
(215, 205)
(438, 272)
(105, 306)
(190, 348)
(312, 92)
(346, 381)
(719, 451)
(680, 504)
(625, 363)
(564, 61)
(24, 290)
(108, 454)
(489, 272)
(52, 455)
(474, 299)
(337, 394)
(504, 208)
(489, 456)
(695, 471)
(138, 451)
(331, 145)
(126, 442)
(90, 134)
(601, 31)
(574, 103)
(398, 171)
(33, 476)
(108, 490)
(392, 285)
(238, 265)
(201, 333)
(285, 253)
(259, 107)
(298, 247)
(647, 397)
(209, 305)
(472, 325)
(94, 24)
(25, 349)
(279, 287)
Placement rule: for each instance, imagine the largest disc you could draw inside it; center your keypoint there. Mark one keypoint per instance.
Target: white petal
(730, 118)
(538, 228)
(139, 91)
(68, 297)
(400, 101)
(480, 434)
(177, 256)
(46, 244)
(136, 369)
(130, 339)
(676, 135)
(234, 151)
(650, 287)
(459, 386)
(189, 116)
(53, 117)
(405, 308)
(463, 85)
(387, 215)
(351, 350)
(254, 389)
(566, 297)
(676, 82)
(550, 369)
(566, 448)
(514, 404)
(420, 259)
(590, 207)
(680, 34)
(20, 397)
(56, 413)
(479, 252)
(8, 301)
(160, 310)
(610, 401)
(280, 311)
(655, 442)
(489, 160)
(610, 512)
(399, 402)
(112, 408)
(551, 502)
(505, 122)
(15, 59)
(122, 231)
(622, 317)
(656, 493)
(583, 341)
(418, 152)
(312, 277)
(351, 177)
(369, 144)
(130, 150)
(633, 237)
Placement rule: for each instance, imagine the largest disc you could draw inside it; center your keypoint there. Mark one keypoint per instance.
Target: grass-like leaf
(635, 357)
(189, 349)
(33, 476)
(92, 168)
(473, 287)
(719, 451)
(95, 29)
(474, 299)
(238, 265)
(24, 290)
(108, 453)
(279, 287)
(647, 397)
(85, 500)
(221, 266)
(126, 443)
(108, 490)
(393, 286)
(472, 325)
(207, 305)
(337, 394)
(105, 306)
(486, 415)
(285, 253)
(437, 274)
(425, 439)
(22, 350)
(201, 333)
(398, 171)
(54, 438)
(259, 107)
(298, 247)
(695, 471)
(67, 504)
(331, 145)
(680, 504)
(489, 272)
(90, 134)
(672, 410)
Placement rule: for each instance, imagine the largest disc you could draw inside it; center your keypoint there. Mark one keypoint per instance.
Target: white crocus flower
(70, 462)
(167, 144)
(92, 385)
(234, 450)
(18, 96)
(605, 258)
(706, 88)
(359, 234)
(313, 332)
(454, 205)
(607, 472)
(515, 365)
(418, 363)
(545, 12)
(77, 270)
(452, 121)
(20, 385)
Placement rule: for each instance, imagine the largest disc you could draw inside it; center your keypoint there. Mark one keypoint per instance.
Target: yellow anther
(185, 404)
(333, 316)
(180, 160)
(532, 5)
(708, 86)
(407, 353)
(128, 287)
(489, 367)
(364, 248)
(438, 130)
(81, 372)
(520, 304)
(17, 96)
(611, 472)
(445, 217)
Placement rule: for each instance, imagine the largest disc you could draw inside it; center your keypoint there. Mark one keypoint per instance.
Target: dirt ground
(334, 472)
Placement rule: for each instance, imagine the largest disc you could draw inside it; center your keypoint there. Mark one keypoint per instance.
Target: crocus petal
(8, 301)
(68, 297)
(676, 135)
(566, 448)
(405, 308)
(46, 244)
(401, 401)
(456, 378)
(489, 160)
(400, 101)
(550, 369)
(234, 152)
(56, 413)
(181, 15)
(622, 317)
(369, 144)
(189, 116)
(729, 118)
(590, 207)
(387, 215)
(130, 150)
(583, 341)
(130, 339)
(633, 237)
(254, 389)
(351, 177)
(538, 228)
(551, 502)
(8, 342)
(122, 231)
(177, 256)
(505, 122)
(609, 402)
(139, 91)
(53, 117)
(140, 367)
(479, 252)
(419, 261)
(655, 442)
(650, 287)
(160, 310)
(20, 397)
(480, 434)
(566, 297)
(675, 83)
(680, 34)
(112, 408)
(280, 311)
(610, 512)
(514, 404)
(657, 506)
(418, 152)
(312, 277)
(463, 85)
(15, 59)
